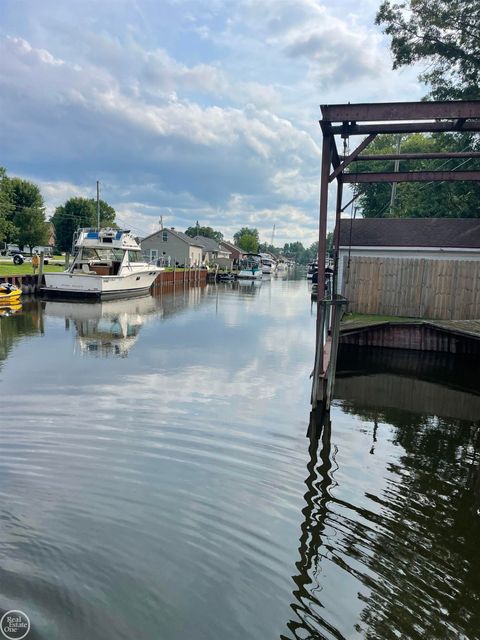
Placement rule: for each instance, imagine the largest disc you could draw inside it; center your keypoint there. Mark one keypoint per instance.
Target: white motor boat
(250, 267)
(268, 265)
(108, 263)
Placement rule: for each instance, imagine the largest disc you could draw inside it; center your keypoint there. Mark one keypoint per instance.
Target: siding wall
(413, 287)
(178, 250)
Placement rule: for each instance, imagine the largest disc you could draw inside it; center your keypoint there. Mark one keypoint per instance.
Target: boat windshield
(135, 256)
(248, 263)
(103, 254)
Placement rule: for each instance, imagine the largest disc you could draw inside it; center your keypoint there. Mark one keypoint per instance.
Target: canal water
(157, 483)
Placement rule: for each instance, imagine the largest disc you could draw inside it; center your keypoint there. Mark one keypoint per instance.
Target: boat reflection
(109, 328)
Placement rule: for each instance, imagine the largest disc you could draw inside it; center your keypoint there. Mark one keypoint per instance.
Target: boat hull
(95, 287)
(250, 274)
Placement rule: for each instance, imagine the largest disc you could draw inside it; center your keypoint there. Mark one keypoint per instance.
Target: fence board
(414, 287)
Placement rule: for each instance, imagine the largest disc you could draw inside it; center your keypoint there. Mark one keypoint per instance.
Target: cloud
(185, 107)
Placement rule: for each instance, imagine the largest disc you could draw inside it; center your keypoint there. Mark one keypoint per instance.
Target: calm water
(156, 481)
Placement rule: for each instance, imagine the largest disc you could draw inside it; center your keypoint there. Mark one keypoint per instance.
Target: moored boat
(250, 267)
(268, 264)
(108, 263)
(312, 268)
(9, 293)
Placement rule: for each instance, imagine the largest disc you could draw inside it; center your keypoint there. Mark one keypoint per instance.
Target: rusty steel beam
(357, 195)
(348, 159)
(403, 127)
(413, 176)
(416, 156)
(386, 111)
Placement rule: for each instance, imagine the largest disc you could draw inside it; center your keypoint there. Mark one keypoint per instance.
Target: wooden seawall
(441, 336)
(30, 283)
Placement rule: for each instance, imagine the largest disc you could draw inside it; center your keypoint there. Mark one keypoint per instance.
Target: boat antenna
(98, 205)
(273, 234)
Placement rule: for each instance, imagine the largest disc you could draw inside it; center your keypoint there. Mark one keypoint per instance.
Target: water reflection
(17, 322)
(108, 328)
(389, 544)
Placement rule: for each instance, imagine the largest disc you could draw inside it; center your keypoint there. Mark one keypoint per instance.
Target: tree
(206, 232)
(295, 250)
(30, 227)
(247, 239)
(438, 199)
(7, 207)
(443, 34)
(77, 213)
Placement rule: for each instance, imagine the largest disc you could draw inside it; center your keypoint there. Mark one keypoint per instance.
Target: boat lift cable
(353, 213)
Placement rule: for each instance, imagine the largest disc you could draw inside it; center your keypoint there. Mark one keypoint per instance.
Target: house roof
(207, 243)
(178, 234)
(231, 246)
(461, 233)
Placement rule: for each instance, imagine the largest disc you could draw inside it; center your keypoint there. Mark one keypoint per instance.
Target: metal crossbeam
(404, 127)
(348, 159)
(412, 176)
(388, 111)
(416, 156)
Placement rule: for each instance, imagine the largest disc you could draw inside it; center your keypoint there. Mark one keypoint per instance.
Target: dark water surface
(156, 482)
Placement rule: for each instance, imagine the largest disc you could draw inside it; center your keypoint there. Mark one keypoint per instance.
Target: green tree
(77, 213)
(30, 227)
(442, 34)
(295, 251)
(427, 200)
(206, 232)
(247, 239)
(7, 207)
(265, 247)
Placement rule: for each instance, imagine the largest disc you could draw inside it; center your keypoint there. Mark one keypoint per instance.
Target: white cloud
(190, 108)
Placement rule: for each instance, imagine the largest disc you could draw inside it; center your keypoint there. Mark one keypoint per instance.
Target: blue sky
(193, 110)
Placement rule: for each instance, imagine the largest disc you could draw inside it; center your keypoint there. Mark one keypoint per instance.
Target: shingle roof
(179, 234)
(231, 246)
(207, 243)
(462, 233)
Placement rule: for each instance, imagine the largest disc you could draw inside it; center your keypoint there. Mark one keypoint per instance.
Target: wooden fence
(413, 287)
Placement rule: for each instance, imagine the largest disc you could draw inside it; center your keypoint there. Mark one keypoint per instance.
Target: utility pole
(395, 168)
(98, 205)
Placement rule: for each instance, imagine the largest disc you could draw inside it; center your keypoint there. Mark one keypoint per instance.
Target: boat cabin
(104, 252)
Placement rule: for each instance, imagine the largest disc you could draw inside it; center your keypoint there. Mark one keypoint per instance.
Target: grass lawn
(24, 269)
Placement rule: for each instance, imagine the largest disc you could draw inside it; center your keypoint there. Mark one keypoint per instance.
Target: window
(135, 256)
(153, 254)
(165, 236)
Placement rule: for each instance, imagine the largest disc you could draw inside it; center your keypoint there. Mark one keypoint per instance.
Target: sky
(187, 109)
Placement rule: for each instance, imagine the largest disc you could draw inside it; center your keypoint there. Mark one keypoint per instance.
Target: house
(235, 252)
(428, 238)
(172, 248)
(213, 253)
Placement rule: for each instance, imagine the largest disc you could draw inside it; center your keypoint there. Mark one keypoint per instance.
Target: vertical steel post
(322, 223)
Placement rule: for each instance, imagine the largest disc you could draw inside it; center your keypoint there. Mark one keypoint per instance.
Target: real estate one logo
(15, 624)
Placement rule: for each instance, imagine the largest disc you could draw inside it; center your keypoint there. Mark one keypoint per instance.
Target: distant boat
(250, 266)
(312, 267)
(268, 264)
(108, 263)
